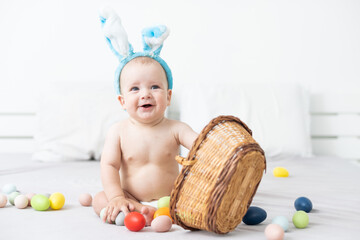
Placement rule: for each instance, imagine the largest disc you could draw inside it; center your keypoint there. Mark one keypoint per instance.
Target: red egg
(134, 221)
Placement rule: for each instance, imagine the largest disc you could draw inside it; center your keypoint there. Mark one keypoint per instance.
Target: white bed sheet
(332, 184)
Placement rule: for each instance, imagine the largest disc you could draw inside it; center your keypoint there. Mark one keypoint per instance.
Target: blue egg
(254, 215)
(304, 204)
(282, 221)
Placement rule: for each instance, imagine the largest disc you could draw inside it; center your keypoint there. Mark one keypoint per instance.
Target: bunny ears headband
(116, 37)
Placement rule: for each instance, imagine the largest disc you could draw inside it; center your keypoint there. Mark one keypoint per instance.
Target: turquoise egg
(119, 220)
(9, 188)
(40, 202)
(282, 221)
(254, 215)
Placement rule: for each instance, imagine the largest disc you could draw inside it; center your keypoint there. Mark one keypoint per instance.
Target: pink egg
(85, 199)
(161, 223)
(274, 232)
(21, 201)
(3, 200)
(29, 196)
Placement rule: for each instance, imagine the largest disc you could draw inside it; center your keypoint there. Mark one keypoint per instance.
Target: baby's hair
(143, 60)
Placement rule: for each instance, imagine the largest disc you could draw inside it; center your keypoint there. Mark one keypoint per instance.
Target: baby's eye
(155, 87)
(134, 89)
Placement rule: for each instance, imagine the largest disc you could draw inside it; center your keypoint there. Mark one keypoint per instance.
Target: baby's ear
(169, 97)
(122, 101)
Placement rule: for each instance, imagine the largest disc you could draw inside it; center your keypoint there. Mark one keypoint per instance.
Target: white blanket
(331, 184)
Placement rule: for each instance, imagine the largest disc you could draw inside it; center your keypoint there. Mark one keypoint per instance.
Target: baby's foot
(148, 213)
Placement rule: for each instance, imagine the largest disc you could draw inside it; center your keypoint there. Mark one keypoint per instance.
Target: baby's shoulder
(116, 127)
(177, 125)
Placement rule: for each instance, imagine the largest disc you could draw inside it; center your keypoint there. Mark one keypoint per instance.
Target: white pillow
(73, 119)
(277, 114)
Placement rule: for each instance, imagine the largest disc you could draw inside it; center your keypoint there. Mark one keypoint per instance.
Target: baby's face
(144, 91)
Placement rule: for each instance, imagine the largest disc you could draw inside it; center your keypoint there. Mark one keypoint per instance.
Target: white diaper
(152, 203)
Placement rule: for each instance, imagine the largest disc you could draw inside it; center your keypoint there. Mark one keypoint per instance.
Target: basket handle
(184, 161)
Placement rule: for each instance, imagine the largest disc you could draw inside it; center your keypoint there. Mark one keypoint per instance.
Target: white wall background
(312, 42)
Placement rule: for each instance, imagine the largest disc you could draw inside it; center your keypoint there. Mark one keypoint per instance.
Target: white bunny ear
(154, 37)
(115, 33)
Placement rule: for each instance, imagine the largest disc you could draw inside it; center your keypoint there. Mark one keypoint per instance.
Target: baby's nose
(145, 94)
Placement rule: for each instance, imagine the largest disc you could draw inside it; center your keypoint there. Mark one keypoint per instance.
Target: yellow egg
(57, 201)
(280, 172)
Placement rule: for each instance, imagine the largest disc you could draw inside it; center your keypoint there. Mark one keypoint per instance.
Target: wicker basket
(219, 177)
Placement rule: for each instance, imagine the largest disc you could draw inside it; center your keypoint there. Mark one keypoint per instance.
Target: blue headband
(116, 37)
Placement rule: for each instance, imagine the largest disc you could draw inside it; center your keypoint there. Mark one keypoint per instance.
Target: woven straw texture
(219, 177)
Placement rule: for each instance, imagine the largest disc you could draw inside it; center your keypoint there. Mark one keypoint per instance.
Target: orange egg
(162, 211)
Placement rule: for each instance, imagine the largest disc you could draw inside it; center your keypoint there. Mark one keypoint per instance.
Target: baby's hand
(116, 205)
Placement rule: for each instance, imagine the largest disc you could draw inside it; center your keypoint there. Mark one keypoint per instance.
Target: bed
(31, 159)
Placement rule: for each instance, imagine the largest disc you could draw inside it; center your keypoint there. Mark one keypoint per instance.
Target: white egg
(21, 201)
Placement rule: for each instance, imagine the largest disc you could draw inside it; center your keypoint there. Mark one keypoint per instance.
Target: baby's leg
(100, 201)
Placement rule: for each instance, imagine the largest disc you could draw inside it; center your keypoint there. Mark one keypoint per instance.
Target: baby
(138, 160)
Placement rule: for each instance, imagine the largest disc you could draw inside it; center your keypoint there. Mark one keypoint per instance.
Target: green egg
(12, 197)
(164, 202)
(300, 219)
(40, 202)
(102, 212)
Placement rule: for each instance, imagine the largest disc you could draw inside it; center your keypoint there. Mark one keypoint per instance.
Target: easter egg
(304, 204)
(274, 232)
(161, 224)
(162, 211)
(46, 195)
(119, 220)
(9, 188)
(282, 221)
(29, 196)
(21, 201)
(57, 201)
(164, 202)
(40, 202)
(254, 215)
(300, 219)
(134, 221)
(12, 197)
(85, 199)
(102, 212)
(3, 200)
(280, 172)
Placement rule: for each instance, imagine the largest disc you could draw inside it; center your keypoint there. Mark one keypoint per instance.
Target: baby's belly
(149, 183)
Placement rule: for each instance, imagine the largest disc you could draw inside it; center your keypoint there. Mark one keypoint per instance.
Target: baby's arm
(110, 166)
(186, 135)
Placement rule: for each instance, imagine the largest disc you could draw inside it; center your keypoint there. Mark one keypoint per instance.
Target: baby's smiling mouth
(146, 105)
